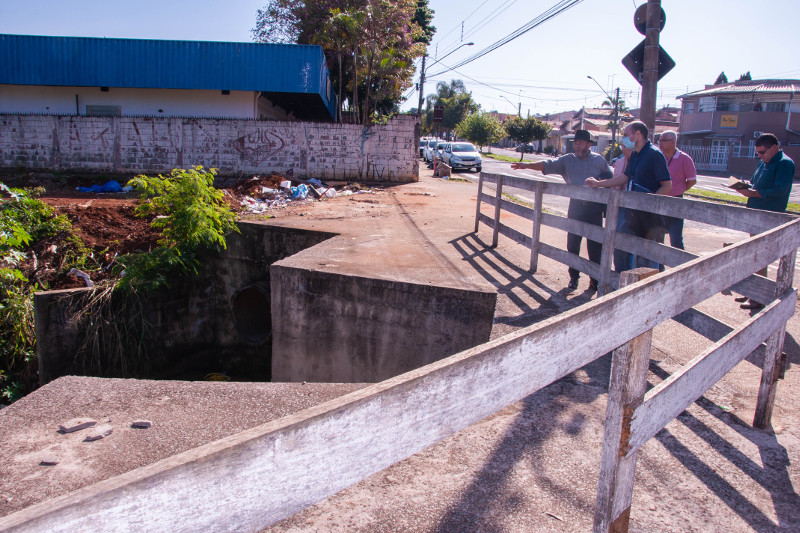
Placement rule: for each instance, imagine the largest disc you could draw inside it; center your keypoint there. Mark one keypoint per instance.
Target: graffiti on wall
(258, 145)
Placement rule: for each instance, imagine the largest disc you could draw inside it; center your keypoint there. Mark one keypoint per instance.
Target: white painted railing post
(626, 390)
(609, 238)
(498, 198)
(770, 372)
(537, 225)
(478, 206)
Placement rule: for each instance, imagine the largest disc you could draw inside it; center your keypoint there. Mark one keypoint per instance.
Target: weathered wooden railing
(257, 477)
(632, 416)
(730, 217)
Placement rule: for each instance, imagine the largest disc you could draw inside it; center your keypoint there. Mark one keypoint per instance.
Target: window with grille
(776, 106)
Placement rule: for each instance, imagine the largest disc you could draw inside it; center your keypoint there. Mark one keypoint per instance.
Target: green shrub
(24, 222)
(190, 215)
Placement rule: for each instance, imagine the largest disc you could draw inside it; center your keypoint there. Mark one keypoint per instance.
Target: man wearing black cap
(575, 168)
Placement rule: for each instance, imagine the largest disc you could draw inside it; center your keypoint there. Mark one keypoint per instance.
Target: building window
(780, 107)
(707, 104)
(737, 147)
(103, 110)
(725, 103)
(689, 107)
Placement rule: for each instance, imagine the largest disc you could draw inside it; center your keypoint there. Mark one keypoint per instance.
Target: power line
(554, 11)
(497, 12)
(463, 20)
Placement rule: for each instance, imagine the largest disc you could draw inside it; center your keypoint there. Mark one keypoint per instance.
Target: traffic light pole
(650, 70)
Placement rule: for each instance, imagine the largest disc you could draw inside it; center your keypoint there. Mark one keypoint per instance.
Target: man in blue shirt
(769, 187)
(646, 172)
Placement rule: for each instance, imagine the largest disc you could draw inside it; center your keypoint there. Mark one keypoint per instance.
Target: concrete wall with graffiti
(129, 145)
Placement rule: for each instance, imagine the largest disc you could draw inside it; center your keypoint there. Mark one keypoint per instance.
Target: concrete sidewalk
(533, 466)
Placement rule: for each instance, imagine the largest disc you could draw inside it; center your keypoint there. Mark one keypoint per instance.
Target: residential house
(83, 76)
(719, 124)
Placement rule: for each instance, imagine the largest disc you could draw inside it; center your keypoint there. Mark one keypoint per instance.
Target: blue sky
(545, 69)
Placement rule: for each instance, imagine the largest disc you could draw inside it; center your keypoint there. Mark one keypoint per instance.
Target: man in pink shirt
(684, 176)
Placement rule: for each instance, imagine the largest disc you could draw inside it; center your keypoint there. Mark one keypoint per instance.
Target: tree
(541, 131)
(745, 77)
(423, 16)
(621, 109)
(371, 44)
(722, 78)
(456, 102)
(525, 130)
(481, 129)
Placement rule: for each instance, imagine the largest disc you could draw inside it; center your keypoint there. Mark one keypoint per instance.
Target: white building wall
(37, 99)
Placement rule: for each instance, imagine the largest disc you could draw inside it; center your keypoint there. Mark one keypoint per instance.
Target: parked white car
(430, 146)
(462, 155)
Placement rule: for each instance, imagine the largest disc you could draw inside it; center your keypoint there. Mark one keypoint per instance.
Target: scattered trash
(49, 461)
(260, 194)
(300, 192)
(141, 424)
(110, 186)
(81, 274)
(551, 515)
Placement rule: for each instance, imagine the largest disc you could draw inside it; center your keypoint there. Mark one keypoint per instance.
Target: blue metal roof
(144, 63)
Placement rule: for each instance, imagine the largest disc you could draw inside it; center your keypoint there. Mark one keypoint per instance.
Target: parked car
(527, 147)
(436, 153)
(422, 144)
(462, 155)
(429, 148)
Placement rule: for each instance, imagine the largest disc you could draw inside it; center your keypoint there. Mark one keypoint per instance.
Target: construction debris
(261, 194)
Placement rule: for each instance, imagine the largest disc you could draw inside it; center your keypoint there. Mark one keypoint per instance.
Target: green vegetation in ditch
(25, 223)
(191, 216)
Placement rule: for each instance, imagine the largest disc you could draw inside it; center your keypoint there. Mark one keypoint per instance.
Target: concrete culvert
(252, 315)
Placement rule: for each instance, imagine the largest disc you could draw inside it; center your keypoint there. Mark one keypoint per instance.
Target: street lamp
(616, 116)
(422, 73)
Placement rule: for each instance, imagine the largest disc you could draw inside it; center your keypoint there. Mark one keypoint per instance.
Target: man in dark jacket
(646, 172)
(769, 188)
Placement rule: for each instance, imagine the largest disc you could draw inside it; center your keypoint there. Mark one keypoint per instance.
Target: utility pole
(421, 85)
(615, 127)
(650, 70)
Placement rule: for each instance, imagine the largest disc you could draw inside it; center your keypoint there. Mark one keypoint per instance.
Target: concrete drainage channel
(252, 315)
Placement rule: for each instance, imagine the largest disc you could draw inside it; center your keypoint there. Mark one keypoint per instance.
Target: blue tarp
(111, 186)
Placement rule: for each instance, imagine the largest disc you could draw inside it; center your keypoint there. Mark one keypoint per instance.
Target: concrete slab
(183, 414)
(530, 467)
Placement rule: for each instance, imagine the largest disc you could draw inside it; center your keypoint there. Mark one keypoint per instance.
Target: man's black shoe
(593, 285)
(573, 284)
